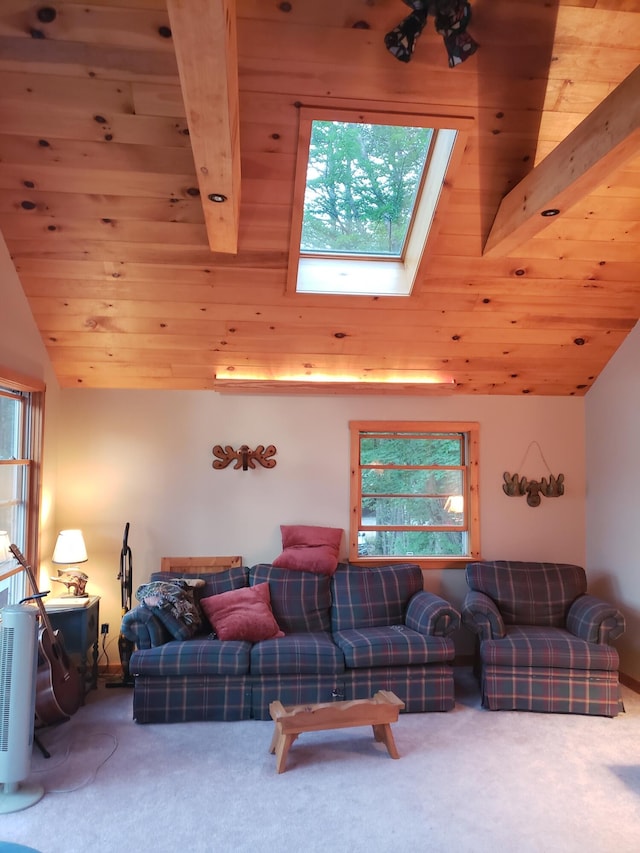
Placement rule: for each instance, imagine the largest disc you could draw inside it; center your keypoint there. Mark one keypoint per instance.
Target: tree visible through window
(414, 491)
(367, 186)
(362, 183)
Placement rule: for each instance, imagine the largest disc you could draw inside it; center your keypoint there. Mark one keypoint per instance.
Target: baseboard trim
(110, 669)
(631, 683)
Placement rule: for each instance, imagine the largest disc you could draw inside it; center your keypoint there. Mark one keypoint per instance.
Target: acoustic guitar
(58, 685)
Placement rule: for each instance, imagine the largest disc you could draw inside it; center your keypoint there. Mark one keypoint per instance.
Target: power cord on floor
(104, 661)
(105, 646)
(91, 777)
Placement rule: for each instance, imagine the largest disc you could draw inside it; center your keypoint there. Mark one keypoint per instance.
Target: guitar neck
(34, 584)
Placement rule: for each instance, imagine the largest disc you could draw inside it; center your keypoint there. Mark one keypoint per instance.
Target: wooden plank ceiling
(137, 280)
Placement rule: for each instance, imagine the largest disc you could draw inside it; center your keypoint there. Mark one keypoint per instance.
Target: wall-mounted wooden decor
(515, 486)
(244, 457)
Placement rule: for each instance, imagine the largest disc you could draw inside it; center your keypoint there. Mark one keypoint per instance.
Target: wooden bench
(378, 712)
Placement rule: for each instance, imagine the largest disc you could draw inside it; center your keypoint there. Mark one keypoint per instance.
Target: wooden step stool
(378, 712)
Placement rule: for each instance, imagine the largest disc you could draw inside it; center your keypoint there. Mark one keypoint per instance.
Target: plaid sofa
(346, 637)
(544, 644)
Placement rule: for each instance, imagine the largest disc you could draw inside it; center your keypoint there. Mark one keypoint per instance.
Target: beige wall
(145, 458)
(612, 418)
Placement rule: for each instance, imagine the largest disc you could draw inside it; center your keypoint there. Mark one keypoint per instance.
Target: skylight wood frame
(379, 276)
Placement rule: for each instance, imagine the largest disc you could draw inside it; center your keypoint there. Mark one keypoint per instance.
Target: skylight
(367, 188)
(361, 187)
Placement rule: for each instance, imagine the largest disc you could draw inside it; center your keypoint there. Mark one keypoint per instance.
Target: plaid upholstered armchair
(543, 643)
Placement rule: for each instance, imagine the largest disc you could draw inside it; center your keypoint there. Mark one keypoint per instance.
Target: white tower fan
(18, 667)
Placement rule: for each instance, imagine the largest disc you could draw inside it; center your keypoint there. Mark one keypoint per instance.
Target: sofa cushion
(529, 593)
(309, 549)
(535, 646)
(300, 600)
(370, 597)
(392, 645)
(297, 653)
(198, 656)
(242, 614)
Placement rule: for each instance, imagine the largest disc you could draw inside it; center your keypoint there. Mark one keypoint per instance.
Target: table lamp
(71, 550)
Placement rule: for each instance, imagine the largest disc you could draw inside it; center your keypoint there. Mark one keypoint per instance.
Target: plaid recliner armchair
(543, 643)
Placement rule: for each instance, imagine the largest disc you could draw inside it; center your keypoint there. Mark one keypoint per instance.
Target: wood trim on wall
(628, 681)
(19, 382)
(36, 387)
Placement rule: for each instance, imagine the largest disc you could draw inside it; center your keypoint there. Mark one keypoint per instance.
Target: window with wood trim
(21, 436)
(414, 492)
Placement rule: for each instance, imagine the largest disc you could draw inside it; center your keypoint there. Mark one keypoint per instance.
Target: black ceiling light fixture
(450, 21)
(550, 211)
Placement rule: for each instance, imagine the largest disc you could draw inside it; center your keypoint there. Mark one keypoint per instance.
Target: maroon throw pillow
(309, 548)
(242, 614)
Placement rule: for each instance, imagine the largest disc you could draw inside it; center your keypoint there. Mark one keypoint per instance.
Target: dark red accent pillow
(242, 614)
(309, 548)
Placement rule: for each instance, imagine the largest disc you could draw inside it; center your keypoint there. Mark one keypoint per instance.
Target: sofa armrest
(431, 615)
(142, 628)
(594, 620)
(480, 614)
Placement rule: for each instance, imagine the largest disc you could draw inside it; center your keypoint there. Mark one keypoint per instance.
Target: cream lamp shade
(70, 548)
(5, 554)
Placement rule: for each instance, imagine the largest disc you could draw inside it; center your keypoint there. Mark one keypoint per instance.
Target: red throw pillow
(242, 614)
(309, 548)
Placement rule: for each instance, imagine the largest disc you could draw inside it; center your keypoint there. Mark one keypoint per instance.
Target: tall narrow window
(414, 492)
(21, 408)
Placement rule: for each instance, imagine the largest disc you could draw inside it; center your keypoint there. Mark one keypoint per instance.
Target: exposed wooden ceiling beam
(605, 140)
(204, 35)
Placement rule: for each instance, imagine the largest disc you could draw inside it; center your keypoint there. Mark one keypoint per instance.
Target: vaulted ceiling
(120, 118)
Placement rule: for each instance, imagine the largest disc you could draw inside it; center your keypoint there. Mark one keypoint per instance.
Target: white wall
(145, 458)
(612, 418)
(22, 351)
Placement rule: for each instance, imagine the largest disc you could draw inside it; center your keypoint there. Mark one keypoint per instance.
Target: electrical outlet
(104, 628)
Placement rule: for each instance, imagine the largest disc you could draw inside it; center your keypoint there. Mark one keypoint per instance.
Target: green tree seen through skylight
(362, 183)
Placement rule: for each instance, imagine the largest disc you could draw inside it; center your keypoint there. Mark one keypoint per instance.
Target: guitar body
(58, 685)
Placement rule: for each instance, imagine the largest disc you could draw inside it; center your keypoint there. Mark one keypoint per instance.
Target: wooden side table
(79, 627)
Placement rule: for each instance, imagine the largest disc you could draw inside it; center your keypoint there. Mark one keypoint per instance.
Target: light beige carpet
(467, 780)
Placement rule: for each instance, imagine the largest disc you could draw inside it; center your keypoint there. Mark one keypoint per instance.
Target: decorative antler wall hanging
(516, 486)
(244, 457)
